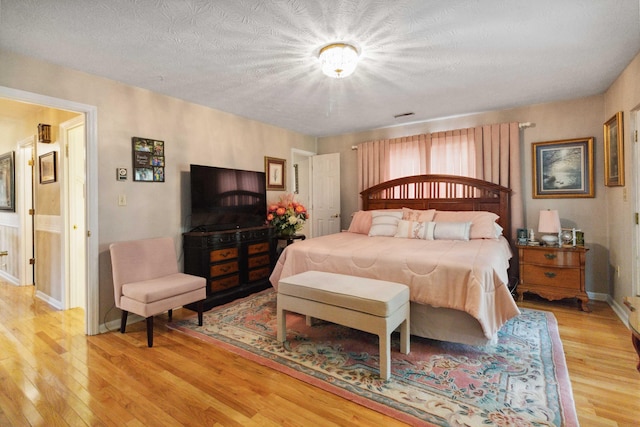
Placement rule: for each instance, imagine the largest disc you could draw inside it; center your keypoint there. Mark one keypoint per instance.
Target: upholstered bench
(369, 305)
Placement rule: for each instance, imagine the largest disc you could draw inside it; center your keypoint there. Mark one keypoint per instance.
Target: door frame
(92, 313)
(24, 172)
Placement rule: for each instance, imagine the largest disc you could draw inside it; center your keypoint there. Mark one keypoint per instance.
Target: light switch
(122, 200)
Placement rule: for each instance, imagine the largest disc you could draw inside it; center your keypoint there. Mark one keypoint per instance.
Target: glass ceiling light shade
(338, 60)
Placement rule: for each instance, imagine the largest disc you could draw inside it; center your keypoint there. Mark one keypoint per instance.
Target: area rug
(520, 381)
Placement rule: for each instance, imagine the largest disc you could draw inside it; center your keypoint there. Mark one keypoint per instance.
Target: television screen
(223, 199)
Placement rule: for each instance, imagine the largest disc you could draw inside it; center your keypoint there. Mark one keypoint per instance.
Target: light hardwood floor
(51, 374)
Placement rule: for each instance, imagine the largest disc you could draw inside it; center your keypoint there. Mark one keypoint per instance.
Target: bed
(458, 280)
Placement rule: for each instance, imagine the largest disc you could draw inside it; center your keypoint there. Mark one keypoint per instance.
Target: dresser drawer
(552, 257)
(225, 283)
(568, 278)
(223, 254)
(223, 268)
(260, 273)
(257, 248)
(258, 261)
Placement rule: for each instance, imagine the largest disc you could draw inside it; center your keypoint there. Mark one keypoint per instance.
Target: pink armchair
(146, 281)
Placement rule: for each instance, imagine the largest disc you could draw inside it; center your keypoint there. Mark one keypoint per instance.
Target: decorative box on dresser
(235, 262)
(553, 272)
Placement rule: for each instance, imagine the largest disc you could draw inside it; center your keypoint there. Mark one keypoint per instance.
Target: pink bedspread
(470, 276)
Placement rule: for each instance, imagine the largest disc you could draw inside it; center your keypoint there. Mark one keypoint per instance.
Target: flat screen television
(223, 199)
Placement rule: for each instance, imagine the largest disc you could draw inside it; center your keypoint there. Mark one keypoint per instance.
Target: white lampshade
(549, 222)
(338, 60)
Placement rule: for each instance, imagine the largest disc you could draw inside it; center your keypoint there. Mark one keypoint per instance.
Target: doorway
(90, 260)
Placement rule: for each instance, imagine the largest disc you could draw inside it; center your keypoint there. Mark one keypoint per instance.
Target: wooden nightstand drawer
(258, 261)
(568, 278)
(224, 268)
(552, 257)
(225, 283)
(261, 273)
(223, 254)
(257, 248)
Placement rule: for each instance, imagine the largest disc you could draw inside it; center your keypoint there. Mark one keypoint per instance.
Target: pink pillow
(361, 222)
(482, 222)
(418, 215)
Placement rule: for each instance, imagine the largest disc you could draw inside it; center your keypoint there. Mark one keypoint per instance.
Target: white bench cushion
(371, 296)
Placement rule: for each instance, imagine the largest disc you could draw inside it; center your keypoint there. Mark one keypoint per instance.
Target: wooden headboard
(442, 192)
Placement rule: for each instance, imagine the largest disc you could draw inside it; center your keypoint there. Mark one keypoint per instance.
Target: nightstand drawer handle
(550, 256)
(550, 274)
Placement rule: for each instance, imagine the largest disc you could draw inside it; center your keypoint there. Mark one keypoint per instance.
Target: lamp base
(549, 239)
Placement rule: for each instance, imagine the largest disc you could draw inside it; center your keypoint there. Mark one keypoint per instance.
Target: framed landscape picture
(563, 168)
(614, 151)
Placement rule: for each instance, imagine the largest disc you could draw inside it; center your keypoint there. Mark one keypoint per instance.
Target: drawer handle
(226, 268)
(550, 274)
(225, 254)
(550, 256)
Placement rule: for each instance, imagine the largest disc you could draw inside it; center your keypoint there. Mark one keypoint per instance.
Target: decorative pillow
(451, 230)
(415, 230)
(418, 215)
(384, 222)
(361, 222)
(482, 222)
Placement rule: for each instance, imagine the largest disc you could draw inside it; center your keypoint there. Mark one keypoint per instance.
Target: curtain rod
(522, 125)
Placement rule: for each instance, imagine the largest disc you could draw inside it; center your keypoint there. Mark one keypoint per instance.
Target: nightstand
(553, 272)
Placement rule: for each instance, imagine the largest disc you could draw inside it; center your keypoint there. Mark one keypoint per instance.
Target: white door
(73, 138)
(24, 182)
(325, 188)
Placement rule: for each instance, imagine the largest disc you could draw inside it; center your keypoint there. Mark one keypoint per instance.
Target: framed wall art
(563, 169)
(7, 182)
(148, 160)
(48, 167)
(614, 151)
(275, 171)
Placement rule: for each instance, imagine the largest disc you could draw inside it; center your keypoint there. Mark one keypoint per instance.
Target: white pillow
(384, 222)
(451, 231)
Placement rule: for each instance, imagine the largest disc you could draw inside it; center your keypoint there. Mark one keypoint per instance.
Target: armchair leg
(170, 315)
(123, 321)
(200, 309)
(150, 331)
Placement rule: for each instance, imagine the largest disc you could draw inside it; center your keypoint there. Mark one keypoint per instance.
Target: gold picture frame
(614, 151)
(563, 169)
(275, 170)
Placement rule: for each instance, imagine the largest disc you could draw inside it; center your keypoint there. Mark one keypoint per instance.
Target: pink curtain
(490, 153)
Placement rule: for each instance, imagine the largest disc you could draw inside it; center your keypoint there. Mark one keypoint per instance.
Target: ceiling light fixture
(338, 60)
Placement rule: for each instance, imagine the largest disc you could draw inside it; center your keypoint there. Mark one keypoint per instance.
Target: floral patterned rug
(520, 381)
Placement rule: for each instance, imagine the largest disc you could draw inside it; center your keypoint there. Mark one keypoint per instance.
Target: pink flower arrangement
(287, 216)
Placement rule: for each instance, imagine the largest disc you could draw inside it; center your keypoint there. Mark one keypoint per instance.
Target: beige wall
(192, 134)
(555, 121)
(623, 95)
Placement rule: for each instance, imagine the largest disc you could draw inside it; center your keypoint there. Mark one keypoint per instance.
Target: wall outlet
(617, 271)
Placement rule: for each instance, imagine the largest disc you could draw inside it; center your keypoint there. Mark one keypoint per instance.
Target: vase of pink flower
(287, 216)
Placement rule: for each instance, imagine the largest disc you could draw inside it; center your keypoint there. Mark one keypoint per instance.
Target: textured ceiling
(257, 59)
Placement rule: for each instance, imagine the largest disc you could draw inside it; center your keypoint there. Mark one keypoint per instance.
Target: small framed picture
(275, 171)
(7, 182)
(148, 160)
(614, 151)
(48, 168)
(563, 168)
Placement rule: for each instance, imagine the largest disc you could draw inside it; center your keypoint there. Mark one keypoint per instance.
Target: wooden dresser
(235, 262)
(553, 272)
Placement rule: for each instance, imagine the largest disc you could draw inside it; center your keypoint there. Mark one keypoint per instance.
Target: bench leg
(385, 355)
(282, 324)
(405, 337)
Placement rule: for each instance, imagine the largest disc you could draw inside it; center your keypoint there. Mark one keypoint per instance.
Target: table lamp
(549, 227)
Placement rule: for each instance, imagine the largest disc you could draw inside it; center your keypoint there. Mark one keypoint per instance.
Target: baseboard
(9, 278)
(51, 301)
(619, 310)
